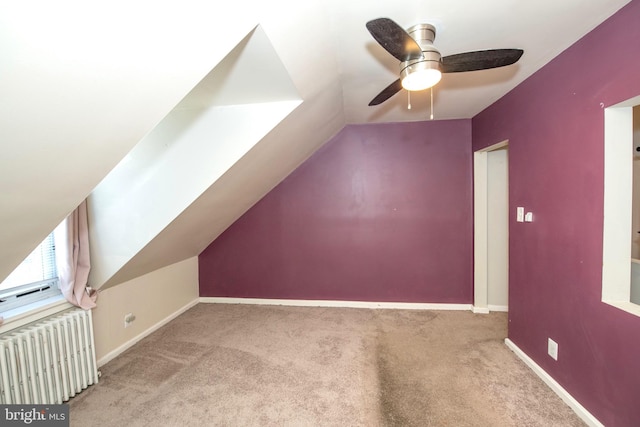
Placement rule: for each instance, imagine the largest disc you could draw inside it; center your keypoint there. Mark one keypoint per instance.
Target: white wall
(154, 299)
(83, 83)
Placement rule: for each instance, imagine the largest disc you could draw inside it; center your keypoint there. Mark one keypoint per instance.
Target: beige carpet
(242, 365)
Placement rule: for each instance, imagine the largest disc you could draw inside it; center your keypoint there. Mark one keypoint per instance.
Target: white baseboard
(490, 308)
(580, 410)
(331, 303)
(116, 352)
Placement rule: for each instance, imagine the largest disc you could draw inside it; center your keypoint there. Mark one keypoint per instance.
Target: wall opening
(490, 263)
(621, 236)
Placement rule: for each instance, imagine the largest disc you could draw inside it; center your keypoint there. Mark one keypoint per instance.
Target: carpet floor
(247, 365)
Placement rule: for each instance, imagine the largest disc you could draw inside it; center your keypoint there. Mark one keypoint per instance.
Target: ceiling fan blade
(480, 60)
(394, 39)
(387, 93)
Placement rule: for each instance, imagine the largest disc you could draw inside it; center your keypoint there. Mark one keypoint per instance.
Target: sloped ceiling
(223, 117)
(82, 83)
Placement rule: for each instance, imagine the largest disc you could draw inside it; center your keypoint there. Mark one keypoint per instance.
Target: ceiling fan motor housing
(424, 35)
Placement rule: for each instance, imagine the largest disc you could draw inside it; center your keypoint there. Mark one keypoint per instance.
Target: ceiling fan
(421, 65)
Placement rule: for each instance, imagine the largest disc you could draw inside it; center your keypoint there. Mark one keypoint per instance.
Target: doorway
(491, 228)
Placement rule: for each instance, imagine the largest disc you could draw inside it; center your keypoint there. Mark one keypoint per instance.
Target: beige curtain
(72, 258)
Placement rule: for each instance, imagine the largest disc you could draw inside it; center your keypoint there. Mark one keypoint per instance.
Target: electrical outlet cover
(128, 319)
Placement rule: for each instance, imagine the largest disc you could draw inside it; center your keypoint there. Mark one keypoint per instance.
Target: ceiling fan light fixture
(421, 78)
(423, 73)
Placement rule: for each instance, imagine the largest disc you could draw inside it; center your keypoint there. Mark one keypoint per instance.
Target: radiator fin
(49, 361)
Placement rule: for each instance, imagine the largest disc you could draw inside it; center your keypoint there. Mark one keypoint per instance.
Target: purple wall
(554, 122)
(381, 212)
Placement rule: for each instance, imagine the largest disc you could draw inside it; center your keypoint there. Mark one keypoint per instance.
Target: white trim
(20, 298)
(503, 308)
(618, 195)
(618, 171)
(480, 238)
(116, 352)
(332, 303)
(480, 310)
(33, 312)
(494, 147)
(627, 306)
(580, 410)
(480, 221)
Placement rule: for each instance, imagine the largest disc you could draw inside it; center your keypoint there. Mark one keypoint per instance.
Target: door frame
(480, 226)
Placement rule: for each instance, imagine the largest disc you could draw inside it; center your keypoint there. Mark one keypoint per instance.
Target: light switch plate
(520, 214)
(552, 349)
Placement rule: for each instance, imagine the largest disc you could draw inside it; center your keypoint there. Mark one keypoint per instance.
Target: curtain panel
(72, 258)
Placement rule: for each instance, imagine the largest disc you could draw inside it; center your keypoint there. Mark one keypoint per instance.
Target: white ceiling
(82, 83)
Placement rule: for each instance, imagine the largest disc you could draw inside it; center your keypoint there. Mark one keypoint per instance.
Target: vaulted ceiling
(197, 109)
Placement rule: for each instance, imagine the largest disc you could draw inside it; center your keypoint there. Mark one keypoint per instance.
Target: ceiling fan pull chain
(431, 102)
(408, 100)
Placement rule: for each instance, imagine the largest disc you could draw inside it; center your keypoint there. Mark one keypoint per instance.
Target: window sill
(33, 312)
(627, 306)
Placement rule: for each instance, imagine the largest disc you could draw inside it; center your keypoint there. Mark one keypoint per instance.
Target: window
(36, 278)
